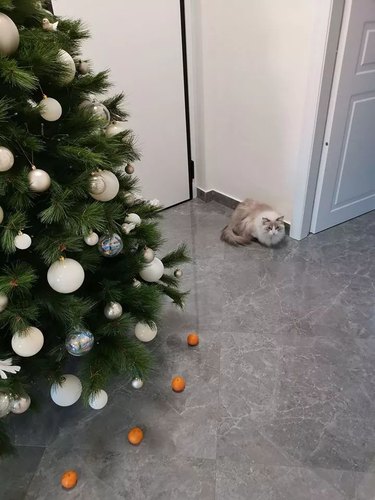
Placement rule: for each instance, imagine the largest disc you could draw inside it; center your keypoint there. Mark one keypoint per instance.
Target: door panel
(346, 185)
(140, 42)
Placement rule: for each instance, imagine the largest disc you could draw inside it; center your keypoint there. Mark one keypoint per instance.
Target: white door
(140, 42)
(346, 184)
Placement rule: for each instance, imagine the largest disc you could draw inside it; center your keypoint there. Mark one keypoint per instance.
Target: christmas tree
(79, 278)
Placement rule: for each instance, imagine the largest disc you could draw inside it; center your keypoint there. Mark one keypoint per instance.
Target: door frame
(323, 63)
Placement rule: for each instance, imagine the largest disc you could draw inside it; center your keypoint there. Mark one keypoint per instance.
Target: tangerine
(135, 436)
(178, 383)
(69, 479)
(193, 339)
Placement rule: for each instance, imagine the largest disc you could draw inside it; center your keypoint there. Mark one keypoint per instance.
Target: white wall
(252, 77)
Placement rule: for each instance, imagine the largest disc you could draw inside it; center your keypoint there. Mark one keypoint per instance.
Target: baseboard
(225, 200)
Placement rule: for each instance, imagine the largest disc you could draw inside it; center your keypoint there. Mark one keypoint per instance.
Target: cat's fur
(253, 220)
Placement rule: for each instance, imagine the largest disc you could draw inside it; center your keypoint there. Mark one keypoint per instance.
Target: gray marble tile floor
(280, 396)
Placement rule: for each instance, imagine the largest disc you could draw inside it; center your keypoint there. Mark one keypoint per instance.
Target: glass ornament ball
(153, 271)
(67, 392)
(20, 404)
(96, 184)
(148, 255)
(79, 342)
(91, 239)
(137, 383)
(69, 66)
(99, 110)
(111, 189)
(22, 241)
(98, 400)
(1, 215)
(133, 218)
(65, 275)
(5, 404)
(9, 36)
(3, 302)
(113, 310)
(39, 180)
(28, 342)
(110, 245)
(115, 127)
(50, 109)
(6, 159)
(144, 332)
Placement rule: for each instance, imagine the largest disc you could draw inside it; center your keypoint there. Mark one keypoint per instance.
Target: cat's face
(274, 227)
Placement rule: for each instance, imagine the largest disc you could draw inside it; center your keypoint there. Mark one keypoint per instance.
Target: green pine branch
(176, 257)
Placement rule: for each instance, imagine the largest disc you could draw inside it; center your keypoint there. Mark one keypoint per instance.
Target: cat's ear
(265, 220)
(281, 218)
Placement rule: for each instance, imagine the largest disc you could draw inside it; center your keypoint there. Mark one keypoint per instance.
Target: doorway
(143, 44)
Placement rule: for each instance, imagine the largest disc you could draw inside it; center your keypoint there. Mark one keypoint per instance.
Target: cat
(253, 220)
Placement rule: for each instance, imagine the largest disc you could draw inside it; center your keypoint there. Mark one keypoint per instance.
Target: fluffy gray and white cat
(252, 220)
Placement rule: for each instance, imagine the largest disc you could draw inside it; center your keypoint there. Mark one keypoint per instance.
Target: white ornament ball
(22, 241)
(137, 383)
(68, 392)
(39, 180)
(91, 239)
(50, 109)
(9, 36)
(6, 159)
(113, 310)
(21, 404)
(28, 342)
(70, 67)
(1, 215)
(83, 67)
(65, 275)
(145, 332)
(115, 128)
(112, 187)
(133, 218)
(148, 255)
(153, 271)
(3, 302)
(98, 400)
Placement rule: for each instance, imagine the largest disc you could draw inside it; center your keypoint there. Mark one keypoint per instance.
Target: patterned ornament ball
(111, 187)
(152, 272)
(3, 302)
(5, 404)
(39, 180)
(22, 241)
(70, 66)
(110, 245)
(20, 404)
(65, 275)
(129, 169)
(96, 183)
(128, 197)
(137, 383)
(50, 109)
(1, 215)
(6, 159)
(91, 239)
(145, 332)
(148, 255)
(28, 342)
(79, 342)
(67, 392)
(9, 36)
(98, 400)
(113, 310)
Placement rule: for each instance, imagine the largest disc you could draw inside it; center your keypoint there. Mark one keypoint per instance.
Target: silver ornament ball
(129, 169)
(79, 342)
(20, 404)
(137, 383)
(136, 283)
(178, 273)
(148, 255)
(97, 184)
(128, 198)
(5, 404)
(110, 245)
(39, 180)
(113, 310)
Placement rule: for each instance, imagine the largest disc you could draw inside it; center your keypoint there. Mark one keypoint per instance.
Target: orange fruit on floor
(193, 339)
(135, 436)
(69, 479)
(178, 384)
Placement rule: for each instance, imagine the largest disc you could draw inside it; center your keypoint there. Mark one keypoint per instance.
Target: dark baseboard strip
(225, 200)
